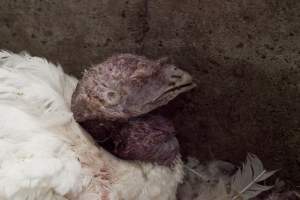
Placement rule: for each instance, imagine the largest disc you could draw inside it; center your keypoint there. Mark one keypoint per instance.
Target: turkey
(46, 155)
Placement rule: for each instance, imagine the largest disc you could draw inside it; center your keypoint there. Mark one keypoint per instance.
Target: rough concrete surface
(243, 54)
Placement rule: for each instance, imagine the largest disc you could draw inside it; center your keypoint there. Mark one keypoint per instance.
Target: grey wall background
(244, 55)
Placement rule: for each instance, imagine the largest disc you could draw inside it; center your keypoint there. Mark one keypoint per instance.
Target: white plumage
(44, 153)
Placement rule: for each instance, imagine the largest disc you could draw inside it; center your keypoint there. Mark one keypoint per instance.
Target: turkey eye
(112, 98)
(111, 95)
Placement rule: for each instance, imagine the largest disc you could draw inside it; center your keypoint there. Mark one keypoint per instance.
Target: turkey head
(126, 86)
(123, 88)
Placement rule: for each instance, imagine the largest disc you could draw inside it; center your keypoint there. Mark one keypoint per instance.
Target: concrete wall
(244, 55)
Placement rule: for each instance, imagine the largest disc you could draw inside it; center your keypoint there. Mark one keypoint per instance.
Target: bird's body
(46, 155)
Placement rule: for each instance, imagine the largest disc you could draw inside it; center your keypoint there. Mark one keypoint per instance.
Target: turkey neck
(148, 138)
(102, 131)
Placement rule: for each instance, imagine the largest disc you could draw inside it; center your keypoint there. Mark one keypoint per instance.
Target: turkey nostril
(176, 76)
(172, 84)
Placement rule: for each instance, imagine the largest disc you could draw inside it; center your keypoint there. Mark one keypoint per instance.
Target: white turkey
(46, 155)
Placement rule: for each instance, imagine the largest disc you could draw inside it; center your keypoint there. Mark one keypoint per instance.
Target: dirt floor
(244, 56)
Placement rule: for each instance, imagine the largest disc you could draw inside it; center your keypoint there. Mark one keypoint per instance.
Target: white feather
(245, 182)
(201, 184)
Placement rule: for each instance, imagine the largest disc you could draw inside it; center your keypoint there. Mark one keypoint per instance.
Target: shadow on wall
(244, 56)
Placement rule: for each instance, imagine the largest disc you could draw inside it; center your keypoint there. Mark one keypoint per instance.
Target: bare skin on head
(126, 86)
